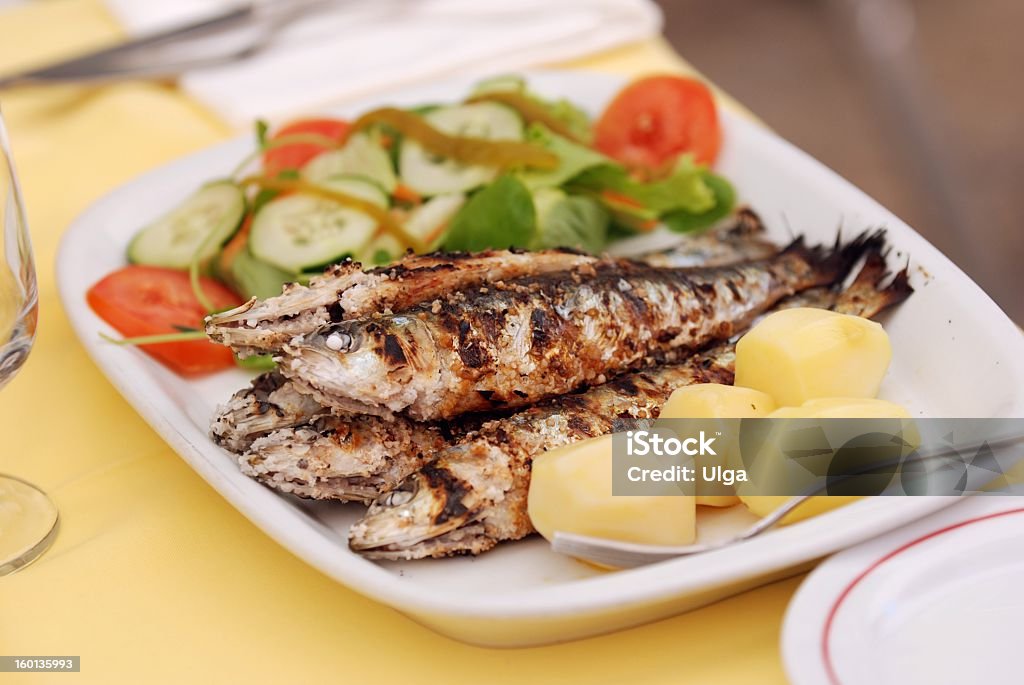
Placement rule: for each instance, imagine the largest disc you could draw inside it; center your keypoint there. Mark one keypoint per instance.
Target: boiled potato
(843, 408)
(717, 401)
(824, 408)
(571, 491)
(762, 505)
(801, 354)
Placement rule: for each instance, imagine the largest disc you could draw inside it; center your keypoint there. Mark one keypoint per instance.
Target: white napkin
(359, 47)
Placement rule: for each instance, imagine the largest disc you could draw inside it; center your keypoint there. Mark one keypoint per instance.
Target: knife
(234, 34)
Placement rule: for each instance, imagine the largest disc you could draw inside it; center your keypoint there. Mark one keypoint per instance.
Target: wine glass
(28, 518)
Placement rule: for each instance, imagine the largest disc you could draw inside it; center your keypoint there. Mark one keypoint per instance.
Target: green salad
(502, 168)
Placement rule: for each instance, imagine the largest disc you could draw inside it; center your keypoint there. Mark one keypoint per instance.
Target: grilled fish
(484, 480)
(287, 441)
(474, 495)
(345, 291)
(516, 343)
(270, 403)
(741, 240)
(346, 458)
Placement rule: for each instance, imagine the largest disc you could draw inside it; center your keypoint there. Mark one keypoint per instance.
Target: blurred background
(914, 101)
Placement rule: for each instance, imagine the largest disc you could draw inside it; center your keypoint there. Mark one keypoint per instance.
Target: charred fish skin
(345, 291)
(484, 480)
(468, 509)
(518, 343)
(350, 458)
(270, 403)
(343, 458)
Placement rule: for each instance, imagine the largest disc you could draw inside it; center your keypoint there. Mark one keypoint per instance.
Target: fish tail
(868, 293)
(832, 264)
(899, 287)
(863, 246)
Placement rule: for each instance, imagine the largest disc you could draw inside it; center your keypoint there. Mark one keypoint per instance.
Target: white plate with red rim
(937, 602)
(955, 354)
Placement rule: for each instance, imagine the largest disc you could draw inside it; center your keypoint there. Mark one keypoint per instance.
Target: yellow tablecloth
(155, 578)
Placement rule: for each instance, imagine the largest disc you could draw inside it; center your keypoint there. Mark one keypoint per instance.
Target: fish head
(386, 361)
(426, 505)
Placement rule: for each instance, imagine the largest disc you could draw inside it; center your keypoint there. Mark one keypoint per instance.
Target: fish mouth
(270, 403)
(468, 540)
(417, 510)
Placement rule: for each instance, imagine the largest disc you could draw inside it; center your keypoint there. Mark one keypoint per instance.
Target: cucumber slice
(429, 221)
(500, 84)
(206, 219)
(383, 249)
(299, 232)
(362, 155)
(359, 186)
(429, 174)
(251, 277)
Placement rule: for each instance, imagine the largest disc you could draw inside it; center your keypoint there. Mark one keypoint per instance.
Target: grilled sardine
(346, 458)
(270, 403)
(345, 291)
(484, 480)
(291, 444)
(474, 495)
(516, 343)
(741, 240)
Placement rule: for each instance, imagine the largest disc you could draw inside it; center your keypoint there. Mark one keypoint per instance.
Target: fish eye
(403, 494)
(339, 338)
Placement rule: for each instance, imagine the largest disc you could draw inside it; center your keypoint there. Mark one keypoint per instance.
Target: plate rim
(809, 617)
(273, 514)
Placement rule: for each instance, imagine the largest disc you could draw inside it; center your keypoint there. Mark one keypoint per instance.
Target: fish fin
(899, 287)
(867, 296)
(747, 223)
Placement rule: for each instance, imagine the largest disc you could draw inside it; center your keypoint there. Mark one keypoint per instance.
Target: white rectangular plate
(955, 354)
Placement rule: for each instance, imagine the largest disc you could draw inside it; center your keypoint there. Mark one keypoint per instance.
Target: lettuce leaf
(574, 159)
(251, 277)
(498, 216)
(685, 189)
(682, 221)
(572, 221)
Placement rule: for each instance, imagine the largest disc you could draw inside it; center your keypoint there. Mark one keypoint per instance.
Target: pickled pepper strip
(385, 222)
(531, 111)
(496, 153)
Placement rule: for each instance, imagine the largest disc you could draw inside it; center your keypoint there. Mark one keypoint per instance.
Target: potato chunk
(571, 491)
(843, 408)
(762, 505)
(796, 355)
(717, 401)
(823, 408)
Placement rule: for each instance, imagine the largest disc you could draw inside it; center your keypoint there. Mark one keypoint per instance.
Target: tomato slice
(295, 155)
(148, 300)
(657, 118)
